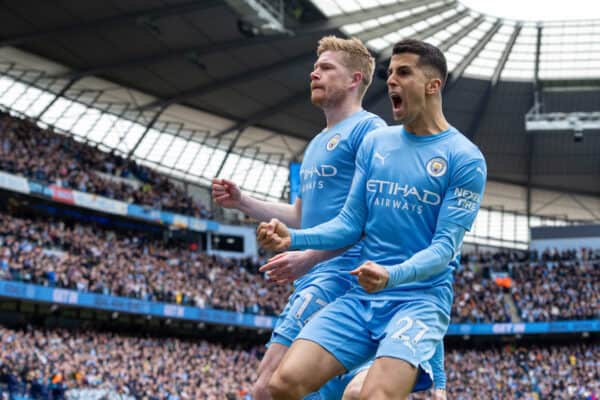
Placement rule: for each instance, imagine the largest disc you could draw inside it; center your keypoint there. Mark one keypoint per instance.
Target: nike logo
(380, 157)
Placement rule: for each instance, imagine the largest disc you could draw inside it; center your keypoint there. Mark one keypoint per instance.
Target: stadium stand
(44, 363)
(523, 372)
(567, 288)
(87, 258)
(93, 259)
(45, 156)
(145, 119)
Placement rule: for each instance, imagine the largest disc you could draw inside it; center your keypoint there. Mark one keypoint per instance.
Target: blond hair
(356, 56)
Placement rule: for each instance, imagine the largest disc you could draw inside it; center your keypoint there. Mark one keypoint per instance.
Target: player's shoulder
(379, 138)
(463, 148)
(370, 121)
(384, 132)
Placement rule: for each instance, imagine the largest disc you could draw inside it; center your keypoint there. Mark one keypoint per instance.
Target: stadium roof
(478, 44)
(208, 95)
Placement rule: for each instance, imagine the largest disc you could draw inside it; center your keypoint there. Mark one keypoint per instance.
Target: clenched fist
(273, 235)
(371, 276)
(226, 193)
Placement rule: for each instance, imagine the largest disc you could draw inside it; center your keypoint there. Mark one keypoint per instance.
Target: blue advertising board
(20, 290)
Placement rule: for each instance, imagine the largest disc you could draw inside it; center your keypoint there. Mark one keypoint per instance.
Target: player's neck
(341, 111)
(431, 122)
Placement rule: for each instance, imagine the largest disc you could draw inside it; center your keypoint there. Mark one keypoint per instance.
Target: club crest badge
(437, 166)
(333, 142)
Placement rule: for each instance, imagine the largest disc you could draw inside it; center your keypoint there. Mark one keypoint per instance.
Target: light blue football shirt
(328, 167)
(326, 176)
(406, 189)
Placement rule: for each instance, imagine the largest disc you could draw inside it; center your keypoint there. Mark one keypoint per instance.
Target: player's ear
(357, 78)
(433, 86)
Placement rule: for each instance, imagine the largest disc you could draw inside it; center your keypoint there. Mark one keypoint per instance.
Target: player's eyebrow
(322, 63)
(401, 68)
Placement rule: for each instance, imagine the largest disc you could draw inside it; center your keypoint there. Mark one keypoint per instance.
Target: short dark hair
(429, 55)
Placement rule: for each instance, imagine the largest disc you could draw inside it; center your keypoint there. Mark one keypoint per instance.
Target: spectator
(91, 259)
(36, 360)
(53, 159)
(534, 372)
(152, 368)
(86, 258)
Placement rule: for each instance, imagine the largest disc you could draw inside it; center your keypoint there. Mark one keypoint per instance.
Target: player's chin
(317, 100)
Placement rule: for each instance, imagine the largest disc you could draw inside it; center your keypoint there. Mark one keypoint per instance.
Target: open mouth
(396, 101)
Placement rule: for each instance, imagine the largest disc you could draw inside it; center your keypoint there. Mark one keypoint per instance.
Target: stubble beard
(333, 99)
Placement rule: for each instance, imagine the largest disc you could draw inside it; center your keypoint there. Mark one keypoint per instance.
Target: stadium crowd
(87, 258)
(47, 157)
(548, 286)
(477, 298)
(44, 363)
(555, 290)
(523, 372)
(91, 258)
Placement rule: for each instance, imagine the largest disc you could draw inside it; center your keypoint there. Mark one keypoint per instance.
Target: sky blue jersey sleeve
(437, 366)
(347, 227)
(457, 214)
(363, 128)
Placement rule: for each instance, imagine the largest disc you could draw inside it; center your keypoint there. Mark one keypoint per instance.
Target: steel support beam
(396, 25)
(482, 108)
(505, 54)
(492, 178)
(240, 127)
(372, 13)
(150, 125)
(332, 25)
(259, 141)
(458, 36)
(60, 94)
(229, 150)
(448, 43)
(427, 32)
(530, 138)
(468, 59)
(538, 46)
(595, 216)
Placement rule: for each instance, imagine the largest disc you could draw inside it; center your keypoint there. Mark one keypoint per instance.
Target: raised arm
(228, 195)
